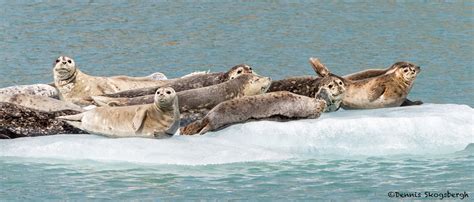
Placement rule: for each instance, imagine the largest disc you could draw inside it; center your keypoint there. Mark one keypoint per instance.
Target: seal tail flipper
(101, 101)
(206, 129)
(408, 102)
(318, 67)
(75, 124)
(75, 117)
(194, 127)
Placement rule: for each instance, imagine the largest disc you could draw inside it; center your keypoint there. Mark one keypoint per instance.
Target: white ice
(418, 130)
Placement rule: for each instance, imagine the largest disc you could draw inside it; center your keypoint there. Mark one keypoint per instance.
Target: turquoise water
(344, 155)
(300, 179)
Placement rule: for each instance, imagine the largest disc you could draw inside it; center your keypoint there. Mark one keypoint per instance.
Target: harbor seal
(190, 82)
(18, 121)
(40, 103)
(309, 85)
(205, 97)
(195, 103)
(34, 89)
(157, 120)
(387, 90)
(76, 86)
(370, 73)
(282, 105)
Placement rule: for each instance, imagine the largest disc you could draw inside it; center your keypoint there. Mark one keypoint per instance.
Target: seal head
(332, 90)
(237, 70)
(165, 98)
(64, 69)
(406, 70)
(257, 85)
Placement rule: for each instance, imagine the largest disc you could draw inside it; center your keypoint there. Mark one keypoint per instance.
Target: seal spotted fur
(370, 73)
(40, 103)
(157, 120)
(18, 121)
(194, 103)
(387, 90)
(34, 89)
(309, 85)
(280, 105)
(190, 82)
(76, 86)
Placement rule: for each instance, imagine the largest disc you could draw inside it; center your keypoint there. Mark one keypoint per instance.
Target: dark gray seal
(18, 121)
(309, 85)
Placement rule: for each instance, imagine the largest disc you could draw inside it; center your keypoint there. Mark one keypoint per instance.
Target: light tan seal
(76, 86)
(281, 105)
(40, 103)
(192, 81)
(369, 73)
(206, 97)
(195, 103)
(157, 120)
(389, 89)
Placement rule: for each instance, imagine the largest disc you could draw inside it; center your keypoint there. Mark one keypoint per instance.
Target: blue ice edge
(416, 130)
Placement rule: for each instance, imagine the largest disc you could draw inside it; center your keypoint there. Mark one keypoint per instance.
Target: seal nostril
(64, 62)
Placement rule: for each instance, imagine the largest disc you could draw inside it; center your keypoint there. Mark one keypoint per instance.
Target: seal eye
(330, 86)
(340, 83)
(406, 70)
(239, 72)
(250, 68)
(168, 92)
(57, 61)
(69, 61)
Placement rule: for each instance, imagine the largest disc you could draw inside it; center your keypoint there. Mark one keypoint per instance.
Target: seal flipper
(319, 68)
(138, 119)
(75, 117)
(100, 100)
(376, 92)
(205, 129)
(76, 124)
(195, 127)
(408, 102)
(173, 128)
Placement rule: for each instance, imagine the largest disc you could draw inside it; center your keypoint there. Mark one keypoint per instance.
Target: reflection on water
(276, 38)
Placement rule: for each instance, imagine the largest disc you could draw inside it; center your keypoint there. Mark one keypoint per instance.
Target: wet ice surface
(416, 130)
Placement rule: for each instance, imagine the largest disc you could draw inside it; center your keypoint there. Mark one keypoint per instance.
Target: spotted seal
(192, 81)
(157, 120)
(195, 103)
(309, 85)
(40, 103)
(282, 105)
(387, 90)
(76, 86)
(370, 73)
(34, 89)
(19, 121)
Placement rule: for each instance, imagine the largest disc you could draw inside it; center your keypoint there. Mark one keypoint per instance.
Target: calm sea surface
(141, 37)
